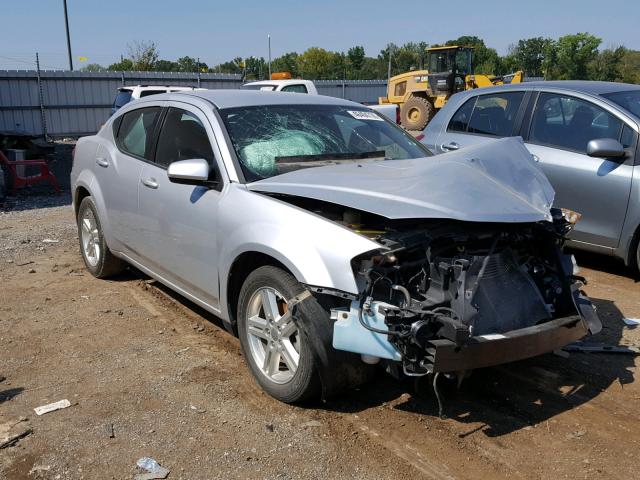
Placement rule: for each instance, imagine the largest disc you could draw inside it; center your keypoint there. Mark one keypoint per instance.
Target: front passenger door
(179, 222)
(598, 188)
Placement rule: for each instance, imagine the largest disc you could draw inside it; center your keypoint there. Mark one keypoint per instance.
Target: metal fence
(77, 103)
(57, 103)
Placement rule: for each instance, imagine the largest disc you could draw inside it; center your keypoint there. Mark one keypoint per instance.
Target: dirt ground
(165, 380)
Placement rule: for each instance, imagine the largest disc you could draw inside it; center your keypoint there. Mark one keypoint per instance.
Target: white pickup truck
(391, 111)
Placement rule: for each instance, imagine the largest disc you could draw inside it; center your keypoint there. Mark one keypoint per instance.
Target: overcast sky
(217, 31)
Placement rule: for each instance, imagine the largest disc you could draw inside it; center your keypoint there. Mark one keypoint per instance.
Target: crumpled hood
(496, 181)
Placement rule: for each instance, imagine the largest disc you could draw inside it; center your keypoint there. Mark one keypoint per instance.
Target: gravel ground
(149, 374)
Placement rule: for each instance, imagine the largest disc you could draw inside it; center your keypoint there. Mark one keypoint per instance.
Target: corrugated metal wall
(77, 103)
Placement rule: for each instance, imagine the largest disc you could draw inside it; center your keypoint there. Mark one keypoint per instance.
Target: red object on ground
(45, 174)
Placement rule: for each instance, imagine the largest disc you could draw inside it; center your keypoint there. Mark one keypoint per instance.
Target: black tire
(305, 382)
(416, 113)
(635, 259)
(107, 264)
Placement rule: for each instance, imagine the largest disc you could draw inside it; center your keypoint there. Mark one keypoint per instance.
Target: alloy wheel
(273, 337)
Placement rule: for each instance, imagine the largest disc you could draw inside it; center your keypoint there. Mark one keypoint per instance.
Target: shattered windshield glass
(273, 139)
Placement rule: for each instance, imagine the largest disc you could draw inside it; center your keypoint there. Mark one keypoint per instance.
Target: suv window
(182, 137)
(295, 89)
(460, 121)
(146, 93)
(136, 131)
(493, 114)
(569, 122)
(123, 97)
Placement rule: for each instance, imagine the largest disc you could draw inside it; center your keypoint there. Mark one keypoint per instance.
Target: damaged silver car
(330, 240)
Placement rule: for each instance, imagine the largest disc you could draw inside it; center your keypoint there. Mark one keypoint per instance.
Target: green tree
(314, 63)
(527, 55)
(166, 66)
(124, 65)
(286, 63)
(356, 57)
(144, 55)
(630, 66)
(93, 67)
(607, 66)
(190, 64)
(574, 53)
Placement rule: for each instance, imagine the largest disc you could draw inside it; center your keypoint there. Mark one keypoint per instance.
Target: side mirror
(189, 172)
(605, 148)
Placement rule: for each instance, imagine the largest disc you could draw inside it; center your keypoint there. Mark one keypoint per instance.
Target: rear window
(122, 98)
(630, 101)
(493, 114)
(146, 93)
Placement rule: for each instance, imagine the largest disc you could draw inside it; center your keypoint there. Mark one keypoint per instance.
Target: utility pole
(269, 40)
(389, 66)
(66, 24)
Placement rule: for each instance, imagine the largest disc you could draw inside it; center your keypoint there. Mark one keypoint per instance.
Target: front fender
(315, 250)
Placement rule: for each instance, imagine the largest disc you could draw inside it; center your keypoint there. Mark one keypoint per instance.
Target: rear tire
(416, 113)
(97, 257)
(278, 354)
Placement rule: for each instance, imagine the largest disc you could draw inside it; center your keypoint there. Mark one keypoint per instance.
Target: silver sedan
(583, 134)
(329, 239)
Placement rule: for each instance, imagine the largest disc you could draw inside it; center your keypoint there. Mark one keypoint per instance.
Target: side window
(295, 89)
(135, 135)
(495, 114)
(182, 137)
(460, 121)
(400, 89)
(569, 122)
(146, 93)
(627, 137)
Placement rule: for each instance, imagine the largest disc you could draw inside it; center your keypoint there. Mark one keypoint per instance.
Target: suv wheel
(278, 353)
(96, 255)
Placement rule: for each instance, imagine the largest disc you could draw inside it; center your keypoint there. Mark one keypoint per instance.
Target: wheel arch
(240, 269)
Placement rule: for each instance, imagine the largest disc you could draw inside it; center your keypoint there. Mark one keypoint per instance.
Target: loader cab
(448, 67)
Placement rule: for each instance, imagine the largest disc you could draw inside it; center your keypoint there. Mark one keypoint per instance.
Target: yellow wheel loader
(421, 93)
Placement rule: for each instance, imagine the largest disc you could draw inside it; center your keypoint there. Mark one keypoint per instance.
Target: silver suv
(584, 136)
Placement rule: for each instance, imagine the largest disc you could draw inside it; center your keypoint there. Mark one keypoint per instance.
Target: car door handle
(102, 162)
(150, 183)
(450, 146)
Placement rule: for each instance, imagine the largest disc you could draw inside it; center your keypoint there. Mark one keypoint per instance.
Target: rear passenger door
(482, 118)
(118, 168)
(598, 188)
(178, 224)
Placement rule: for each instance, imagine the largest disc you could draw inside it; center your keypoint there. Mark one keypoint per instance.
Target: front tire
(278, 353)
(416, 113)
(97, 257)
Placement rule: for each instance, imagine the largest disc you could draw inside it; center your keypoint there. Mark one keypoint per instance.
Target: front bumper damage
(444, 355)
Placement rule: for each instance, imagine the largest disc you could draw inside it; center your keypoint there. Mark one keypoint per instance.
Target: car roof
(585, 86)
(250, 98)
(582, 86)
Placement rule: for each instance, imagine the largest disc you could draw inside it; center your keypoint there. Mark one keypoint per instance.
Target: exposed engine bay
(445, 295)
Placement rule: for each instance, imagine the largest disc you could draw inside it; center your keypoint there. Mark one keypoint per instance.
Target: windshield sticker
(360, 115)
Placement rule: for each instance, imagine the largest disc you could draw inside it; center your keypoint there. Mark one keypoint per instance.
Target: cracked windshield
(275, 139)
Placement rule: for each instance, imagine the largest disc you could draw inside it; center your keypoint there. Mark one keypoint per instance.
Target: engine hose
(438, 396)
(368, 327)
